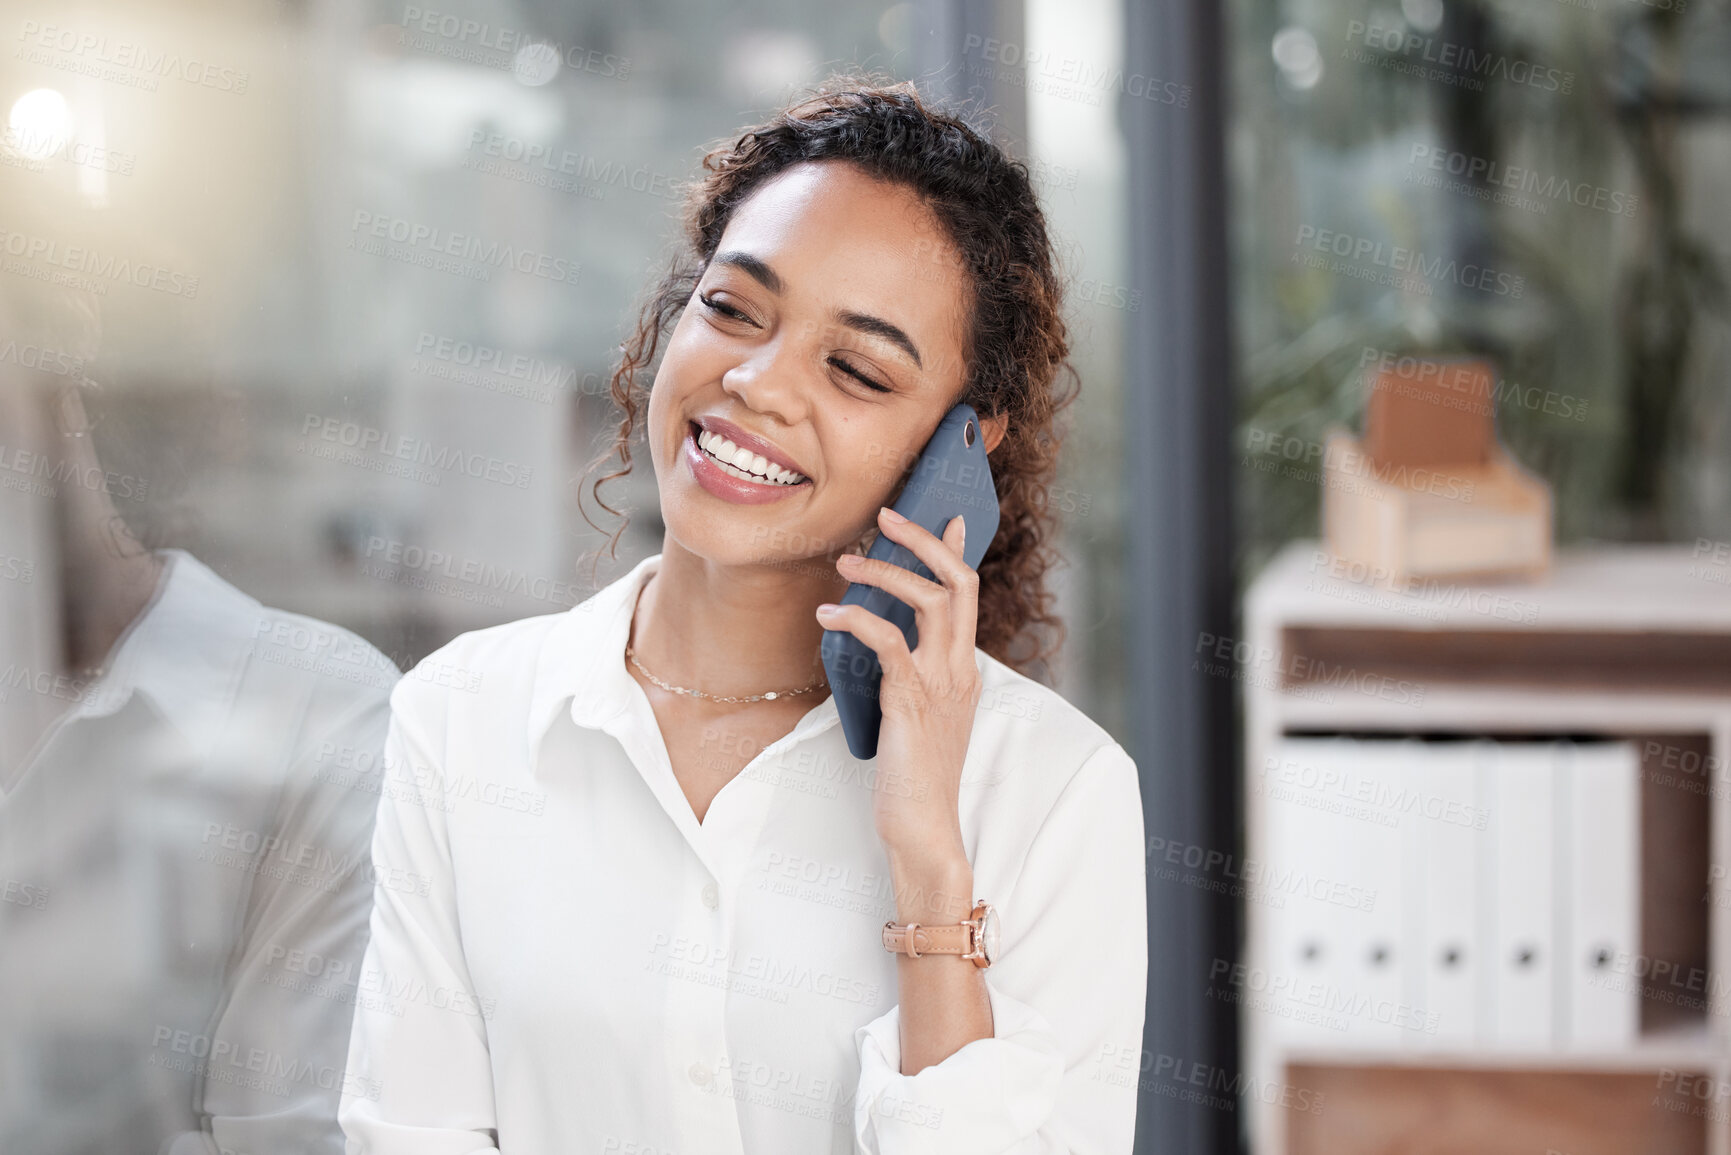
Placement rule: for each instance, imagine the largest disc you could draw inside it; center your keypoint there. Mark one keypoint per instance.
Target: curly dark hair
(1017, 346)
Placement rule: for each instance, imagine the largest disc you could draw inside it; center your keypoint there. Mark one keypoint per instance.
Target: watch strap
(953, 939)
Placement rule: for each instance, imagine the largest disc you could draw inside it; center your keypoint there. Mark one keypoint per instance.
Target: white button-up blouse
(573, 964)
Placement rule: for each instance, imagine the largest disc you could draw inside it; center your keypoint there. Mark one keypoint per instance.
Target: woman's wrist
(933, 886)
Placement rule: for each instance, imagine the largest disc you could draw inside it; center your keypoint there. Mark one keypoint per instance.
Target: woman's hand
(927, 696)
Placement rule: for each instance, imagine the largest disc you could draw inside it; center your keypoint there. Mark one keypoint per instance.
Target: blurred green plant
(1598, 347)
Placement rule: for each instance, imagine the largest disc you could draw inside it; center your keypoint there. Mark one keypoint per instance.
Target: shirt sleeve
(289, 1001)
(419, 1076)
(1067, 1001)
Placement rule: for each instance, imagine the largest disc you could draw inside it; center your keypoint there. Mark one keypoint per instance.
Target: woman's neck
(733, 629)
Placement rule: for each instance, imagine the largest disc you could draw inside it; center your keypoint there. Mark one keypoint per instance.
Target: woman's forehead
(839, 238)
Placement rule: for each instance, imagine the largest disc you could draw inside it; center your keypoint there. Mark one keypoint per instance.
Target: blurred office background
(261, 392)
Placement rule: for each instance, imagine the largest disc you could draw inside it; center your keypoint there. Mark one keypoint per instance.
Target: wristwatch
(975, 939)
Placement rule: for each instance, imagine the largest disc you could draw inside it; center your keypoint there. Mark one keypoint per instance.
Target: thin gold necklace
(770, 696)
(631, 654)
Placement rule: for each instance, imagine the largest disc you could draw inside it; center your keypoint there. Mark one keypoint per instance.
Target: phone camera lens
(968, 434)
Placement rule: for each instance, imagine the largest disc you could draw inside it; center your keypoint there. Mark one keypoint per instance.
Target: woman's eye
(858, 376)
(725, 310)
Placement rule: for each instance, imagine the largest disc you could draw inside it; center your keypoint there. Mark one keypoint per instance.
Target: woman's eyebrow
(746, 263)
(859, 322)
(878, 327)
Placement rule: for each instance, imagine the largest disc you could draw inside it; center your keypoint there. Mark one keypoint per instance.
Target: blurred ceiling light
(896, 27)
(769, 64)
(39, 124)
(1296, 53)
(536, 64)
(427, 114)
(1424, 15)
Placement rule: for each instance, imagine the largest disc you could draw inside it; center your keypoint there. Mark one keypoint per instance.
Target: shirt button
(699, 1074)
(711, 895)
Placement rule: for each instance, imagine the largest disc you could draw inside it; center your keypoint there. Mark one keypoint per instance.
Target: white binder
(1381, 938)
(1339, 938)
(1301, 847)
(1519, 890)
(1448, 849)
(1601, 832)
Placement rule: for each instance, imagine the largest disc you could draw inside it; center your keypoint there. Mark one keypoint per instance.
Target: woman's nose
(770, 381)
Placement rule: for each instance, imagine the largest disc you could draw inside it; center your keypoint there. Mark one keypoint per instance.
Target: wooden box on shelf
(1430, 494)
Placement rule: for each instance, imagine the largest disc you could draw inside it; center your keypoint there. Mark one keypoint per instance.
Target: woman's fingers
(885, 638)
(930, 601)
(945, 559)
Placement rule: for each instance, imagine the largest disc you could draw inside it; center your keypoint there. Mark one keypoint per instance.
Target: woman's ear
(994, 428)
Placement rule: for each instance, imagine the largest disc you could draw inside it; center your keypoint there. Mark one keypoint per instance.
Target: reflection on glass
(187, 787)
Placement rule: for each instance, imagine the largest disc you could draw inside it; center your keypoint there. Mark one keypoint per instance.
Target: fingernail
(892, 515)
(848, 560)
(827, 609)
(962, 533)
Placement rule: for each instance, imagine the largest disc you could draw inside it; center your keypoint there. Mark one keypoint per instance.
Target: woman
(639, 901)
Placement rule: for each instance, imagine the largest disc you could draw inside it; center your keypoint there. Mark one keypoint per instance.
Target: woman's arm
(419, 1078)
(943, 997)
(1058, 1071)
(1015, 1061)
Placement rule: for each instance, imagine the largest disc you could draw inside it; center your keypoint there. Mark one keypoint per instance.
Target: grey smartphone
(951, 479)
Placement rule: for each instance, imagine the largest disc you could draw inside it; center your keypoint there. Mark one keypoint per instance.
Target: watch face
(989, 934)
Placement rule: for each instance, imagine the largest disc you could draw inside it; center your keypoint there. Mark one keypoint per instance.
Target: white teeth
(744, 463)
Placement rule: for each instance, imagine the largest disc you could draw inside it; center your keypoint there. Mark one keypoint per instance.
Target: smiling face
(822, 346)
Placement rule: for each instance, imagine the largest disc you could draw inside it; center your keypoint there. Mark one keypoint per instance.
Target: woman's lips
(712, 477)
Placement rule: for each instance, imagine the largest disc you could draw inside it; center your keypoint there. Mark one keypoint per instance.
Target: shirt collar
(584, 662)
(185, 652)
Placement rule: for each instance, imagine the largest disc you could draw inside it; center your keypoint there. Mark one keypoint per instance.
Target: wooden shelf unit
(1625, 642)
